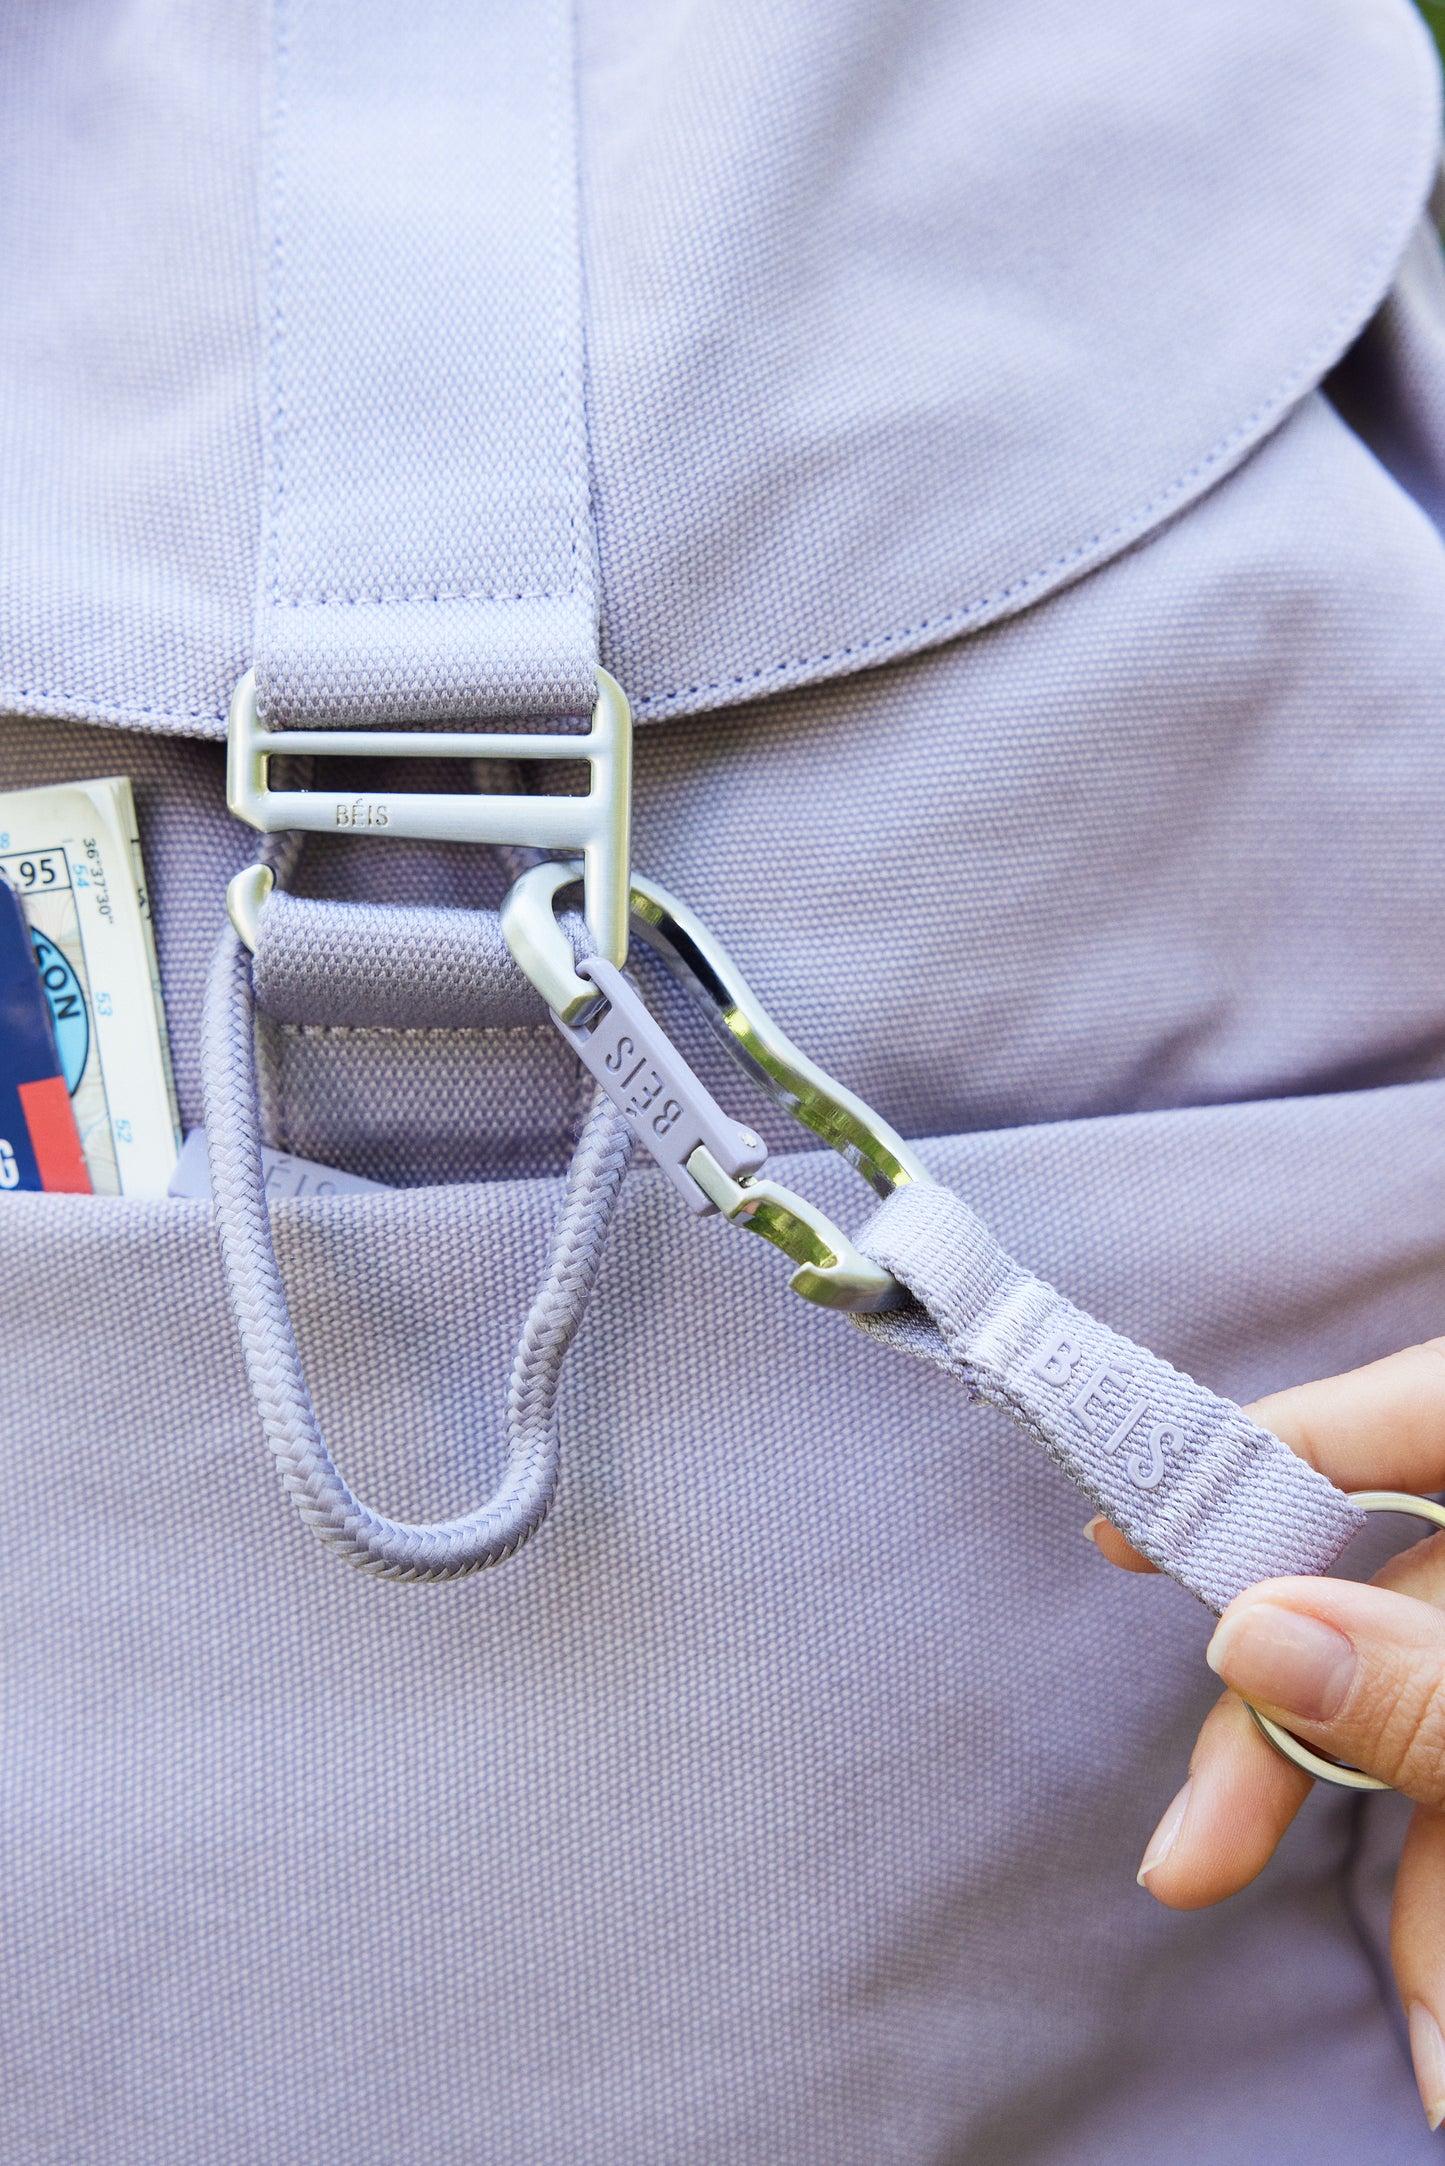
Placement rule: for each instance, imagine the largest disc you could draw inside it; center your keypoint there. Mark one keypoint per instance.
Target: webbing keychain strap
(1209, 1496)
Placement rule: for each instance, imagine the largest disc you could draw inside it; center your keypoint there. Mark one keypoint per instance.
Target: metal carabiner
(716, 1163)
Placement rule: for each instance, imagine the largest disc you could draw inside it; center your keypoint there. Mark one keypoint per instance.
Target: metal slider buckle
(598, 825)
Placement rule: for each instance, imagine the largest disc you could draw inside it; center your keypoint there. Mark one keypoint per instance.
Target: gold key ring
(1284, 1741)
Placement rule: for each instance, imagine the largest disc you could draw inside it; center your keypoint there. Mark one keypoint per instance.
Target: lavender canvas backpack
(999, 454)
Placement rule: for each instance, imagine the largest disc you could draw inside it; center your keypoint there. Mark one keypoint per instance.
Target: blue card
(39, 1141)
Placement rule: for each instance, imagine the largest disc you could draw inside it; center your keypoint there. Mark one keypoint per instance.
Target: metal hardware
(710, 1157)
(598, 825)
(703, 967)
(539, 946)
(831, 1270)
(1284, 1741)
(244, 898)
(625, 1049)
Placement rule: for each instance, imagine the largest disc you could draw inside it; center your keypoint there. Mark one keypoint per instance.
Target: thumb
(1357, 1671)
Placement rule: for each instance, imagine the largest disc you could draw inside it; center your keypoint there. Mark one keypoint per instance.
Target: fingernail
(1290, 1662)
(1427, 2051)
(1161, 1842)
(1091, 1528)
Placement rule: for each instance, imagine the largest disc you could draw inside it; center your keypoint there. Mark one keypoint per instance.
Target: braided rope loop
(389, 1548)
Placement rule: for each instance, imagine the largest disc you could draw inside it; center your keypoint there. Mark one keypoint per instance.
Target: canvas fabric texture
(782, 1798)
(422, 559)
(390, 968)
(886, 311)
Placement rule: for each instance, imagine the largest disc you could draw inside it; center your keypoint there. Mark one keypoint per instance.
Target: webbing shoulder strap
(428, 551)
(427, 559)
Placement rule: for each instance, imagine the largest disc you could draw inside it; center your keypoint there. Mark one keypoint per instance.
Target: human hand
(1357, 1671)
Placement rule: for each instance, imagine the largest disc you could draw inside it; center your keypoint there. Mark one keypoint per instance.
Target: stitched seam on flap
(1084, 555)
(576, 447)
(784, 675)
